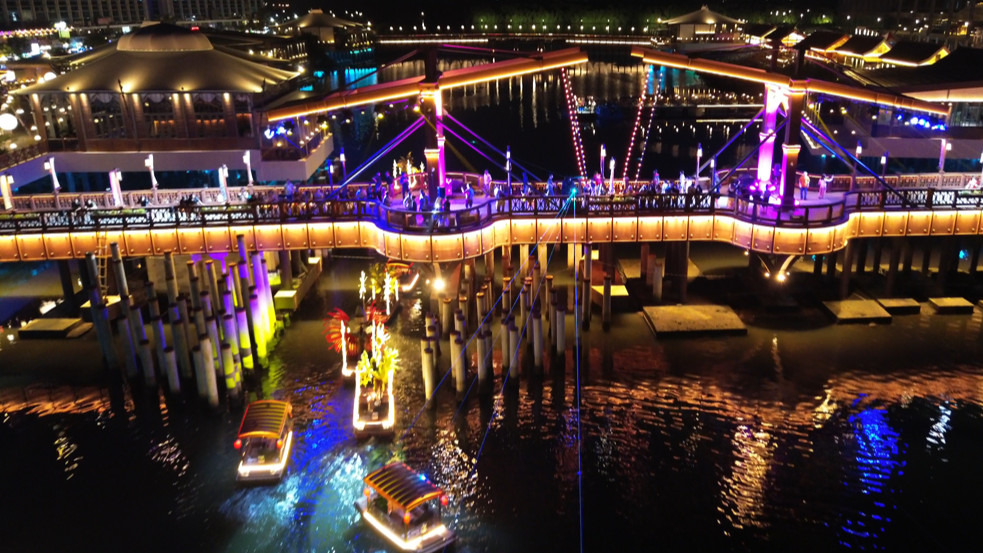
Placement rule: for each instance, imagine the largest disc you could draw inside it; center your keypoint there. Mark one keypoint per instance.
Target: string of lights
(578, 146)
(634, 133)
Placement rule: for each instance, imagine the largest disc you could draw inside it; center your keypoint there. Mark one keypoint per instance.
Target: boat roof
(264, 419)
(402, 485)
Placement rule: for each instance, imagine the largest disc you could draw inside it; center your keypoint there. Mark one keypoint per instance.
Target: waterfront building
(77, 13)
(165, 89)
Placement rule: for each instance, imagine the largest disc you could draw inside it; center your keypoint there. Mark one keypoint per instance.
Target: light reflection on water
(839, 436)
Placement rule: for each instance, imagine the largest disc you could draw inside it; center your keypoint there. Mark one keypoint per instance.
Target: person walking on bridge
(468, 195)
(804, 185)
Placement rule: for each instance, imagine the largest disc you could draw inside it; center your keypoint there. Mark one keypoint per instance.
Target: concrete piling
(561, 330)
(147, 363)
(537, 339)
(233, 382)
(446, 322)
(506, 341)
(513, 335)
(606, 304)
(245, 344)
(171, 371)
(426, 365)
(205, 372)
(482, 360)
(457, 361)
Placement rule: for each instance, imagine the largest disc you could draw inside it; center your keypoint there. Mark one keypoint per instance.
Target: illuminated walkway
(814, 227)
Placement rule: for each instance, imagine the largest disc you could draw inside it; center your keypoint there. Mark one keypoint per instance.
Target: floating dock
(689, 320)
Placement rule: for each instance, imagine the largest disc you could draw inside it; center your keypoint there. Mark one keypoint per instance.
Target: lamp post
(223, 182)
(604, 154)
(149, 164)
(981, 168)
(6, 181)
(713, 174)
(699, 156)
(115, 177)
(49, 166)
(508, 170)
(884, 160)
(249, 168)
(611, 165)
(344, 169)
(944, 147)
(853, 178)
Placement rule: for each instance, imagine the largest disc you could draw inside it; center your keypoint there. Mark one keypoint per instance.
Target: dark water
(830, 438)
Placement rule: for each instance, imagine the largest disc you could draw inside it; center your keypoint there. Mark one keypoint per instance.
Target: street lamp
(344, 170)
(508, 170)
(884, 159)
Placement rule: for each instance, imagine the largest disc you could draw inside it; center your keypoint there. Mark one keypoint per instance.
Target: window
(209, 114)
(107, 117)
(158, 115)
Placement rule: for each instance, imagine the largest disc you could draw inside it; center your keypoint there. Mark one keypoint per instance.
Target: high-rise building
(104, 12)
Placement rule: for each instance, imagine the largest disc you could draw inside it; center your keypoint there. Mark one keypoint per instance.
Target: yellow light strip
(271, 468)
(808, 85)
(397, 540)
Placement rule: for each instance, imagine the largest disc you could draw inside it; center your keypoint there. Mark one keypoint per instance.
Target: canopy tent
(264, 419)
(402, 485)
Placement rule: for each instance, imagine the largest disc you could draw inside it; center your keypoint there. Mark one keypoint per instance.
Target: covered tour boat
(265, 438)
(405, 508)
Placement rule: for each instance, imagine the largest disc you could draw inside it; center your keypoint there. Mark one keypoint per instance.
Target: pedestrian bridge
(42, 228)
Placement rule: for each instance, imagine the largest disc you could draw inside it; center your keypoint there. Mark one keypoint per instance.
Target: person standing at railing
(823, 184)
(486, 183)
(804, 185)
(468, 195)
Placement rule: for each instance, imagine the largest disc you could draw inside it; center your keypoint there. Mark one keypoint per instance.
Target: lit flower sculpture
(374, 409)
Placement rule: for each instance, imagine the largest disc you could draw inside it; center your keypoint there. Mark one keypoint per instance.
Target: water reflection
(711, 444)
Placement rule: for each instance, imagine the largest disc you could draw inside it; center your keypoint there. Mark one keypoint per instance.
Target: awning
(402, 485)
(264, 419)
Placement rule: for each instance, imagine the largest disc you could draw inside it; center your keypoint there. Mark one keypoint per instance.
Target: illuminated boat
(265, 437)
(405, 508)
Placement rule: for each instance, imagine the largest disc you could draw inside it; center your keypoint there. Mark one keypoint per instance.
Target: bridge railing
(397, 218)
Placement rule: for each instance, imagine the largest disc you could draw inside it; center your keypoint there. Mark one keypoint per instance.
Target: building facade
(79, 13)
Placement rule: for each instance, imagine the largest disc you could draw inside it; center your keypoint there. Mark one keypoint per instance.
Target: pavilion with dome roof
(163, 89)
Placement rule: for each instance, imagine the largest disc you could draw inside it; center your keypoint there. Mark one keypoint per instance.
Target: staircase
(102, 259)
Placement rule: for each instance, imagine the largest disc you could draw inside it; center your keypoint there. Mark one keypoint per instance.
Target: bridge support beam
(974, 259)
(892, 267)
(909, 254)
(848, 254)
(791, 147)
(861, 256)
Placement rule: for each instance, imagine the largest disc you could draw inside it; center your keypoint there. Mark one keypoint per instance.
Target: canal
(800, 435)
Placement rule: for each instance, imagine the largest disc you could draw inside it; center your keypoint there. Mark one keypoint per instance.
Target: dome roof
(163, 37)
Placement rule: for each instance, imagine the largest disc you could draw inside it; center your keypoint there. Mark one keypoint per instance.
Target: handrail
(485, 212)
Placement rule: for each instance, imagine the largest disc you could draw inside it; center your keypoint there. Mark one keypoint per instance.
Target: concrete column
(268, 292)
(205, 371)
(233, 382)
(286, 270)
(482, 361)
(878, 252)
(657, 280)
(606, 304)
(434, 338)
(67, 283)
(909, 254)
(245, 344)
(848, 256)
(458, 362)
(892, 268)
(831, 265)
(817, 265)
(571, 256)
(258, 323)
(147, 364)
(490, 263)
(171, 371)
(927, 257)
(561, 330)
(585, 303)
(170, 278)
(427, 364)
(537, 339)
(548, 297)
(514, 351)
(506, 349)
(129, 348)
(861, 256)
(643, 262)
(524, 260)
(446, 322)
